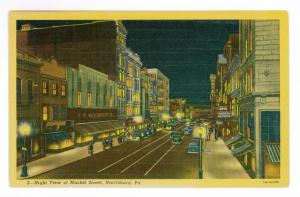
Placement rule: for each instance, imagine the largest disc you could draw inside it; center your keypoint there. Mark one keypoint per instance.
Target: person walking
(91, 148)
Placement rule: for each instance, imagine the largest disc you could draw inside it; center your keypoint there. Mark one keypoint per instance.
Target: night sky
(185, 51)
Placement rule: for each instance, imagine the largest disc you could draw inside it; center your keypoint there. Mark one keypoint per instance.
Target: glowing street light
(24, 130)
(165, 116)
(179, 115)
(138, 119)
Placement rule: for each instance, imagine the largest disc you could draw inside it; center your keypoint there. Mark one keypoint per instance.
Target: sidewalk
(56, 160)
(219, 163)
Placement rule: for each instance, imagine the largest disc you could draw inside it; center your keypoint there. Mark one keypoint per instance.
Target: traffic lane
(135, 168)
(116, 169)
(136, 165)
(89, 166)
(177, 164)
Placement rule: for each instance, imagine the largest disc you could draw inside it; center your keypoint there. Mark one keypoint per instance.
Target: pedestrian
(209, 133)
(217, 131)
(91, 148)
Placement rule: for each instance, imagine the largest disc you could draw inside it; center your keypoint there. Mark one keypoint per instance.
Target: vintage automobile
(107, 143)
(194, 147)
(177, 139)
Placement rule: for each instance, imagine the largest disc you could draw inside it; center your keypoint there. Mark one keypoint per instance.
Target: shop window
(54, 89)
(30, 91)
(19, 90)
(270, 126)
(251, 125)
(63, 89)
(242, 122)
(45, 113)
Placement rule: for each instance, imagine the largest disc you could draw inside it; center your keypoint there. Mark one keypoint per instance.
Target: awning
(91, 128)
(273, 151)
(56, 136)
(233, 139)
(240, 149)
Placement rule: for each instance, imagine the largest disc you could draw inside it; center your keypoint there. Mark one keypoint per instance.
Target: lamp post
(199, 132)
(25, 131)
(200, 170)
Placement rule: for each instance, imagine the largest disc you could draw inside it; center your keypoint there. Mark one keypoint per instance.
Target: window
(89, 97)
(45, 113)
(54, 89)
(270, 126)
(251, 125)
(45, 87)
(19, 90)
(63, 89)
(29, 92)
(79, 83)
(78, 99)
(97, 93)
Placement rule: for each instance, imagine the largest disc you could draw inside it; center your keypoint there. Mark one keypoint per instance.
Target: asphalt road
(153, 158)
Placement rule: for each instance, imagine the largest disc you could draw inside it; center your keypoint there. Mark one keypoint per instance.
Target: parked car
(174, 132)
(169, 127)
(193, 147)
(107, 143)
(187, 131)
(177, 138)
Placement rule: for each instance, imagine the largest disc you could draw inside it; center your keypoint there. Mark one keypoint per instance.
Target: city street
(153, 158)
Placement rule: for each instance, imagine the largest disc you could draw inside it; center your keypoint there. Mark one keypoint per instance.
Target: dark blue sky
(185, 51)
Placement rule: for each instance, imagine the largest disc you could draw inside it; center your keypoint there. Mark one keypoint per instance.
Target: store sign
(223, 108)
(224, 114)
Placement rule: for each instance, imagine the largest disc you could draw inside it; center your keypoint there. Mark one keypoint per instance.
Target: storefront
(98, 131)
(58, 141)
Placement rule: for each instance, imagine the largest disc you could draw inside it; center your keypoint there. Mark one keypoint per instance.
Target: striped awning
(233, 139)
(273, 151)
(91, 128)
(241, 149)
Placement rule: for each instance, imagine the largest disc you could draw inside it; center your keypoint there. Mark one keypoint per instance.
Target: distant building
(177, 107)
(145, 94)
(159, 98)
(213, 95)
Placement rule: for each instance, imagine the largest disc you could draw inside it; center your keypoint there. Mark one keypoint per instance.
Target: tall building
(100, 45)
(159, 98)
(133, 84)
(28, 106)
(213, 94)
(260, 95)
(145, 94)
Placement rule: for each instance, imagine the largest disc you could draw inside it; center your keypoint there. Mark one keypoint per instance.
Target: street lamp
(25, 131)
(200, 133)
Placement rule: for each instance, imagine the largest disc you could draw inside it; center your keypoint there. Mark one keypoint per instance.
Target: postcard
(149, 99)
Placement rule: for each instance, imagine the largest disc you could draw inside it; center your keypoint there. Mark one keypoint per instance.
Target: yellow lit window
(54, 89)
(45, 87)
(63, 89)
(45, 113)
(89, 99)
(78, 99)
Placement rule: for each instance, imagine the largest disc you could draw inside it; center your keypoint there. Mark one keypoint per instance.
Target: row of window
(54, 89)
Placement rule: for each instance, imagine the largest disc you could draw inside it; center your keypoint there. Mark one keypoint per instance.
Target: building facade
(260, 95)
(133, 84)
(28, 107)
(53, 101)
(159, 96)
(99, 44)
